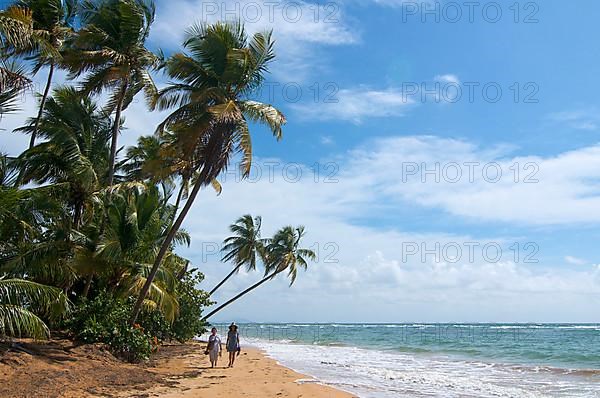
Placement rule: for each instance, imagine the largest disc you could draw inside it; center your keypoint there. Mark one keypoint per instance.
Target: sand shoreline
(63, 369)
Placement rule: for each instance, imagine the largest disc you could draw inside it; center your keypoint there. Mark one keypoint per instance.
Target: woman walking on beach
(214, 347)
(233, 343)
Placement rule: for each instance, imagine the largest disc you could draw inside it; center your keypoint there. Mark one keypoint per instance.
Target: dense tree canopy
(87, 241)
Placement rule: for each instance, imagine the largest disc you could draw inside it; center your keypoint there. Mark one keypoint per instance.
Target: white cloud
(300, 28)
(575, 261)
(327, 140)
(360, 265)
(356, 104)
(531, 190)
(359, 103)
(400, 3)
(580, 119)
(448, 78)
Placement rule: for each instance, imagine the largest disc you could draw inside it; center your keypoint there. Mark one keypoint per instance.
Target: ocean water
(439, 360)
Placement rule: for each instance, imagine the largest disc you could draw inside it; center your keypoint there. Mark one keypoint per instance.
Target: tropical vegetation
(89, 235)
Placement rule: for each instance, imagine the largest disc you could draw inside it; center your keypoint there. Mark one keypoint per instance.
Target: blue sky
(393, 72)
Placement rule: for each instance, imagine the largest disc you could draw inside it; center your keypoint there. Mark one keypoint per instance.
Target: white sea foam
(379, 374)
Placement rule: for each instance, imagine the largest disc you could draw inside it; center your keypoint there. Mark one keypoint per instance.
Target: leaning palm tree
(51, 25)
(110, 50)
(245, 247)
(214, 82)
(282, 254)
(20, 300)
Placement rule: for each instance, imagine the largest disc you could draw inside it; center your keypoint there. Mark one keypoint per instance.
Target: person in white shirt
(213, 349)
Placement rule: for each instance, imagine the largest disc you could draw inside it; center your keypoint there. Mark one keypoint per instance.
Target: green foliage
(20, 300)
(189, 323)
(76, 223)
(104, 320)
(13, 81)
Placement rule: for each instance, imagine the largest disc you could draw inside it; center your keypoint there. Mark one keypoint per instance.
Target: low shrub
(188, 323)
(104, 319)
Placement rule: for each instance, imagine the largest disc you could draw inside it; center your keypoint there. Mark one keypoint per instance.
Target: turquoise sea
(439, 360)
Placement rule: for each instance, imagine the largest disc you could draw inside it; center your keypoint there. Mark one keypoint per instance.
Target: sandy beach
(61, 369)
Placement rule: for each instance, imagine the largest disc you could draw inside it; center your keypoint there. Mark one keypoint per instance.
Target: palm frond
(48, 299)
(16, 321)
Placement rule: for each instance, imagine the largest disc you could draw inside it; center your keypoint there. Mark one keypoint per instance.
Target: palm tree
(72, 161)
(12, 84)
(244, 247)
(110, 50)
(75, 152)
(15, 225)
(147, 161)
(19, 299)
(16, 27)
(153, 160)
(51, 25)
(282, 254)
(34, 231)
(210, 122)
(137, 222)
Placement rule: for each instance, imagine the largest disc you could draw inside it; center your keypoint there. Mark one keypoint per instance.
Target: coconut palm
(23, 212)
(51, 25)
(75, 152)
(73, 159)
(144, 161)
(33, 234)
(14, 227)
(121, 256)
(153, 160)
(147, 161)
(214, 82)
(19, 302)
(282, 254)
(110, 50)
(244, 248)
(13, 82)
(16, 27)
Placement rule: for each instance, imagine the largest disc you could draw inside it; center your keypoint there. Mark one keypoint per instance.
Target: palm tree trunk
(88, 283)
(77, 215)
(42, 104)
(224, 280)
(183, 271)
(164, 248)
(115, 133)
(219, 308)
(178, 200)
